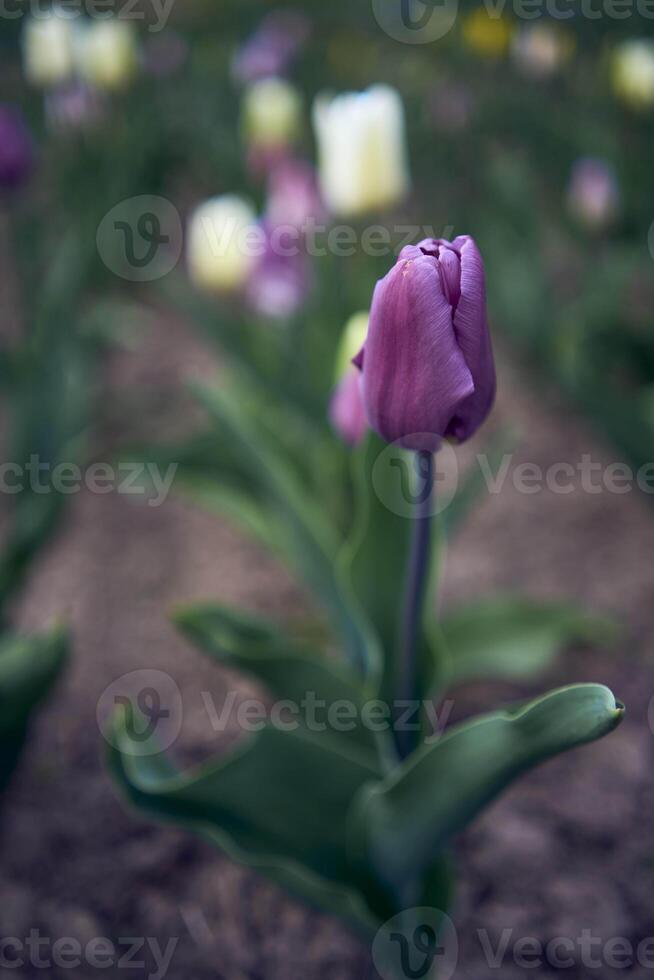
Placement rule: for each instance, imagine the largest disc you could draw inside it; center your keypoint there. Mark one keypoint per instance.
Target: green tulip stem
(416, 582)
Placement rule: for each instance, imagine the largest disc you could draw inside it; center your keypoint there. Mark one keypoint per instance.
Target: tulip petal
(346, 411)
(473, 337)
(415, 377)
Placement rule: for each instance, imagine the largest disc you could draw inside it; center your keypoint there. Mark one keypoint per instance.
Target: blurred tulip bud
(273, 47)
(486, 35)
(346, 412)
(74, 106)
(541, 50)
(362, 150)
(220, 243)
(293, 196)
(280, 279)
(427, 362)
(633, 73)
(272, 113)
(16, 148)
(593, 193)
(48, 49)
(106, 53)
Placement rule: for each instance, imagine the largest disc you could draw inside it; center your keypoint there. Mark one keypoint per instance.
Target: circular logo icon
(417, 944)
(154, 718)
(409, 487)
(416, 21)
(140, 239)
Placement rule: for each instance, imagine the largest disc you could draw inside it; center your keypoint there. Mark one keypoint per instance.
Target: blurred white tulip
(362, 150)
(540, 50)
(48, 48)
(272, 113)
(106, 53)
(633, 73)
(222, 243)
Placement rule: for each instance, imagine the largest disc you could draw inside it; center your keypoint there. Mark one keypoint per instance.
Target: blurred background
(531, 130)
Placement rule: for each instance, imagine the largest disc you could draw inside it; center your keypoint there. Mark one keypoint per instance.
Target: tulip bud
(540, 50)
(427, 362)
(272, 114)
(272, 48)
(16, 148)
(293, 197)
(48, 49)
(486, 35)
(74, 107)
(633, 73)
(106, 53)
(362, 149)
(280, 278)
(219, 249)
(346, 411)
(593, 193)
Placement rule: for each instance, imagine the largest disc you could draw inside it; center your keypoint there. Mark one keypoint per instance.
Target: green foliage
(29, 666)
(327, 823)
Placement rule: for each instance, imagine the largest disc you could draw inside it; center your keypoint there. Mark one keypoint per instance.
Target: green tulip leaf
(298, 528)
(29, 666)
(404, 822)
(284, 666)
(515, 638)
(277, 802)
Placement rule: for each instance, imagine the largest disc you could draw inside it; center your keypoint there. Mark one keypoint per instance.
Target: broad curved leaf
(405, 821)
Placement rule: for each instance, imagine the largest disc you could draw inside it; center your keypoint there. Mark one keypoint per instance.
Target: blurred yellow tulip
(48, 48)
(272, 113)
(220, 254)
(632, 72)
(107, 53)
(486, 35)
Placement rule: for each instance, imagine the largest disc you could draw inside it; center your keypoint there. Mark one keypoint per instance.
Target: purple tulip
(346, 412)
(427, 361)
(280, 279)
(293, 195)
(74, 107)
(271, 50)
(16, 148)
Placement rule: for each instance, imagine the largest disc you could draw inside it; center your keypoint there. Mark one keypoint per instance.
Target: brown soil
(569, 848)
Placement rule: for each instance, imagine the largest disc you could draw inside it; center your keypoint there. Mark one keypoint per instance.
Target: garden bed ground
(570, 848)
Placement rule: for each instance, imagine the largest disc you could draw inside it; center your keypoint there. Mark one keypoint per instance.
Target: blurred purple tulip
(427, 361)
(346, 412)
(16, 148)
(593, 192)
(280, 280)
(293, 195)
(74, 106)
(272, 48)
